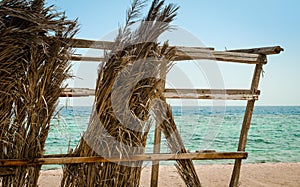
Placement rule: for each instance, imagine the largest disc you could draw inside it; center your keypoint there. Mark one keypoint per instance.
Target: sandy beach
(258, 175)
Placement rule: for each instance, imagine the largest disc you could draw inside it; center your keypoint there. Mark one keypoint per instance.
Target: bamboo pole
(245, 126)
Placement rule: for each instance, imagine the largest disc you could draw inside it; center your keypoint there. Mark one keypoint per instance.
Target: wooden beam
(188, 53)
(78, 92)
(216, 94)
(198, 54)
(86, 58)
(245, 126)
(144, 157)
(262, 50)
(94, 44)
(83, 43)
(201, 54)
(249, 56)
(157, 137)
(156, 150)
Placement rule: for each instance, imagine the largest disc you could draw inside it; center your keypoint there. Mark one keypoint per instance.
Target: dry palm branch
(33, 68)
(127, 83)
(185, 168)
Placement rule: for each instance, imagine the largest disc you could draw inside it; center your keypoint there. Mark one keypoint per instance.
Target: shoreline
(252, 174)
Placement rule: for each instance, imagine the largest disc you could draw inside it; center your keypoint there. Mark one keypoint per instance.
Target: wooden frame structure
(255, 56)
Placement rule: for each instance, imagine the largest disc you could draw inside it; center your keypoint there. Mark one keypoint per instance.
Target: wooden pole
(216, 94)
(157, 136)
(156, 149)
(47, 160)
(246, 125)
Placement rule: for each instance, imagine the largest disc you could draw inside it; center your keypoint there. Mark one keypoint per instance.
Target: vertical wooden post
(157, 133)
(246, 125)
(156, 149)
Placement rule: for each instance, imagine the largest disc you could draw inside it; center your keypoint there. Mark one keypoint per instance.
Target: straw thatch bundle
(129, 80)
(126, 83)
(33, 67)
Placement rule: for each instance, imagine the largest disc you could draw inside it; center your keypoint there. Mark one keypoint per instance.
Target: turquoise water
(274, 135)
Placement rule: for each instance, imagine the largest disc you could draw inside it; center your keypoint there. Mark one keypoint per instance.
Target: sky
(230, 24)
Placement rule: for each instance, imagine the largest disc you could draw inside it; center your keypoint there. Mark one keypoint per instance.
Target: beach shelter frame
(254, 56)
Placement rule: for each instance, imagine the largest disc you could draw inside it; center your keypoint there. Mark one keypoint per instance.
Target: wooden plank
(144, 157)
(217, 94)
(245, 126)
(262, 50)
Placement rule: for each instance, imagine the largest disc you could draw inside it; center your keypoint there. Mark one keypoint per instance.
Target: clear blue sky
(219, 23)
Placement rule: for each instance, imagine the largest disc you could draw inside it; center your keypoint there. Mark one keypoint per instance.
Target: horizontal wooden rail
(94, 44)
(201, 54)
(216, 94)
(86, 58)
(249, 56)
(144, 157)
(262, 50)
(78, 92)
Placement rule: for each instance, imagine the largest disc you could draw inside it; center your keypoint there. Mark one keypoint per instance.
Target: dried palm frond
(175, 143)
(126, 83)
(33, 67)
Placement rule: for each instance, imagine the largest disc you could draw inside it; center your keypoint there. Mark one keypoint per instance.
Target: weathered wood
(249, 56)
(78, 92)
(246, 126)
(94, 44)
(199, 54)
(262, 50)
(157, 140)
(216, 94)
(156, 150)
(83, 43)
(144, 157)
(6, 171)
(86, 58)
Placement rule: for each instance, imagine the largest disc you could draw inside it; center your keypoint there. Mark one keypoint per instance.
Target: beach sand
(255, 175)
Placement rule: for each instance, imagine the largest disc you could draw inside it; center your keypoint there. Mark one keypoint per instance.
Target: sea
(274, 135)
